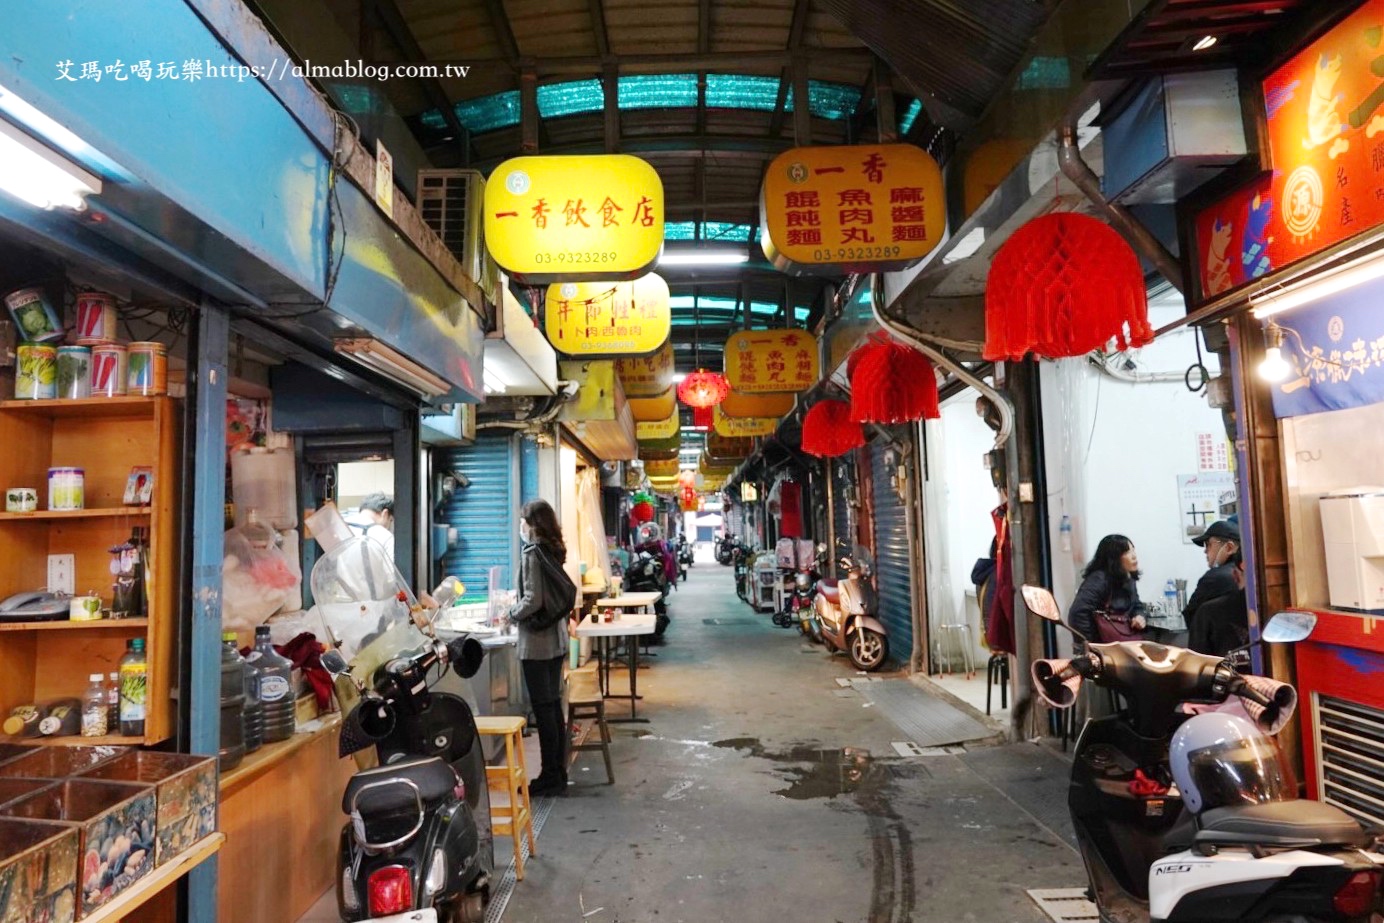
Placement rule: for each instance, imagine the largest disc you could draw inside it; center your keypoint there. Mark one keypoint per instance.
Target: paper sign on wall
(1199, 500)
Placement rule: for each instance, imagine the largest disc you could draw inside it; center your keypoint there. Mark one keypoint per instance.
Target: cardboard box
(38, 870)
(186, 788)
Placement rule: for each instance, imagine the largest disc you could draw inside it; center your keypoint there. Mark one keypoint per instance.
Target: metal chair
(997, 671)
(964, 637)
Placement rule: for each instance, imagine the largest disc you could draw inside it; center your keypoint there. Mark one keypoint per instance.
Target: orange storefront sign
(647, 376)
(756, 405)
(767, 361)
(662, 468)
(861, 208)
(575, 218)
(648, 409)
(608, 318)
(1325, 111)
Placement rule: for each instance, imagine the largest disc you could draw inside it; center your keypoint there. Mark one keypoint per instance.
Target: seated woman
(1108, 584)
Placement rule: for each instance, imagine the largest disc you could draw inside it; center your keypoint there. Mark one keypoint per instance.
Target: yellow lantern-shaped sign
(666, 428)
(766, 361)
(574, 218)
(608, 318)
(651, 409)
(741, 427)
(647, 376)
(737, 404)
(843, 209)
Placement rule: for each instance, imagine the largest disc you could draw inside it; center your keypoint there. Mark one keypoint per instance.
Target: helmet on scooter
(1220, 759)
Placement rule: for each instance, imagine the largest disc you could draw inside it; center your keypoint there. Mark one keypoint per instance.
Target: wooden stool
(515, 819)
(592, 707)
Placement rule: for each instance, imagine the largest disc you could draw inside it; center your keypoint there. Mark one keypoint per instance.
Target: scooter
(684, 554)
(418, 841)
(1187, 818)
(645, 575)
(725, 546)
(740, 562)
(804, 594)
(845, 614)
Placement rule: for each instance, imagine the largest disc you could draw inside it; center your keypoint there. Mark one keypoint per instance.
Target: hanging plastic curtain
(591, 540)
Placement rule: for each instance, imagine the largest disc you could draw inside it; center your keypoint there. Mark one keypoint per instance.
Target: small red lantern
(643, 511)
(891, 382)
(828, 430)
(701, 417)
(1065, 284)
(703, 389)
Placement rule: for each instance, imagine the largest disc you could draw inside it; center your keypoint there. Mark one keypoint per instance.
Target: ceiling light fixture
(703, 258)
(393, 365)
(1205, 42)
(1273, 367)
(35, 173)
(1318, 287)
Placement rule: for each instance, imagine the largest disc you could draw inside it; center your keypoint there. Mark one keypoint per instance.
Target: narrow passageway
(761, 789)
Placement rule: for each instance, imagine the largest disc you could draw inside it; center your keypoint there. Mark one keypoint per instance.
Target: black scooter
(418, 839)
(645, 575)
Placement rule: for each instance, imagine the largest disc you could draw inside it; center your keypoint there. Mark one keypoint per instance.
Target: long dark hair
(1107, 559)
(544, 529)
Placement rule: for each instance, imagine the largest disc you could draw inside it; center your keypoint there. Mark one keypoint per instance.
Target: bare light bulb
(1274, 367)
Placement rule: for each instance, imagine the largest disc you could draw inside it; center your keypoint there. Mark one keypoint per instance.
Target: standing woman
(1109, 584)
(542, 651)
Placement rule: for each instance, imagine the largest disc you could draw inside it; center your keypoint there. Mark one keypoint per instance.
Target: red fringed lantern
(892, 383)
(1064, 285)
(701, 417)
(828, 430)
(703, 389)
(641, 512)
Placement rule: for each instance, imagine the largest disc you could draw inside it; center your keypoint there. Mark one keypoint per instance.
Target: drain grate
(502, 890)
(1065, 905)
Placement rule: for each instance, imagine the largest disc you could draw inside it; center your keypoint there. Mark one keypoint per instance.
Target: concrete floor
(761, 790)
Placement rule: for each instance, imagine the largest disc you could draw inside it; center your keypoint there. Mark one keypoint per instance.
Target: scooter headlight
(802, 581)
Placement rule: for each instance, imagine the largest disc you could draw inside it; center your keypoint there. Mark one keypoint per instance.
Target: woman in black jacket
(1108, 584)
(542, 650)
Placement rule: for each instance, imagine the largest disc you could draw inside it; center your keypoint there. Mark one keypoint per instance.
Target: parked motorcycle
(725, 545)
(1188, 817)
(845, 613)
(645, 575)
(684, 554)
(418, 840)
(740, 562)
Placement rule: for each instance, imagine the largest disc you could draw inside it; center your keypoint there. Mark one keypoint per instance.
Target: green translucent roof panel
(679, 230)
(658, 91)
(1046, 73)
(910, 117)
(487, 113)
(730, 91)
(720, 230)
(833, 101)
(572, 98)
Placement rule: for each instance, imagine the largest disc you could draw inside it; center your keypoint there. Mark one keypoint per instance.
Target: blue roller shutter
(528, 470)
(484, 511)
(892, 559)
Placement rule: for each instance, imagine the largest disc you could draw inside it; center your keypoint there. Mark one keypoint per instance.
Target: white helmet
(1220, 759)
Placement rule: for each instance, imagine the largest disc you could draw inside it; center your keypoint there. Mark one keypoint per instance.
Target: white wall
(1114, 451)
(958, 500)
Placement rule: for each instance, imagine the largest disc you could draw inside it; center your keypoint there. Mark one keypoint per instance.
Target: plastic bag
(257, 578)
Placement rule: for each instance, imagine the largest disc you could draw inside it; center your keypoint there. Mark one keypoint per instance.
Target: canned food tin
(21, 500)
(66, 488)
(74, 372)
(33, 315)
(148, 368)
(95, 318)
(108, 370)
(36, 372)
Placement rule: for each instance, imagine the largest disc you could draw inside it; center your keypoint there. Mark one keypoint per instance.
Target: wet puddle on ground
(817, 772)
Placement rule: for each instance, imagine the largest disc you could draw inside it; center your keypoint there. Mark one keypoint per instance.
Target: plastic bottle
(95, 714)
(1064, 532)
(112, 702)
(1170, 596)
(276, 688)
(62, 719)
(254, 711)
(232, 703)
(134, 685)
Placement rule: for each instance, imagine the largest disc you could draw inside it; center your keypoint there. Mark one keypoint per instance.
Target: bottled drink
(254, 711)
(275, 688)
(232, 703)
(112, 703)
(134, 685)
(63, 719)
(95, 714)
(1170, 597)
(1064, 532)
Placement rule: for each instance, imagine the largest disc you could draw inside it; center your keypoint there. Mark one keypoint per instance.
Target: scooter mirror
(466, 655)
(374, 717)
(334, 663)
(1288, 627)
(1041, 603)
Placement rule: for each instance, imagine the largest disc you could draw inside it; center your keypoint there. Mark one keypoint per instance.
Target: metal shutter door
(484, 512)
(892, 559)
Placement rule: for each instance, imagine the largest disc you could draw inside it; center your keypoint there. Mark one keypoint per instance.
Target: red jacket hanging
(999, 621)
(790, 510)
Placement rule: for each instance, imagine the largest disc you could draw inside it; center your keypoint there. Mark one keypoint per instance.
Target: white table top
(627, 624)
(629, 600)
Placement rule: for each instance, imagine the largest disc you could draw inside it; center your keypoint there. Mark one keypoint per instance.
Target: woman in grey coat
(542, 650)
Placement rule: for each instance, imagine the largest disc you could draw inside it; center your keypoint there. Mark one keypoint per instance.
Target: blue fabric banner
(1336, 349)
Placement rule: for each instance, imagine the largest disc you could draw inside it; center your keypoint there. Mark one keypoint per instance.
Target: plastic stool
(963, 631)
(516, 818)
(593, 708)
(997, 670)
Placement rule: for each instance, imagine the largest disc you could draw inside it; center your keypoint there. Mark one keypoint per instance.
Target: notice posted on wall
(1201, 499)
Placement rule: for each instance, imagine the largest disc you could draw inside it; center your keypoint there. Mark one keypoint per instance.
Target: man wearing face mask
(1221, 541)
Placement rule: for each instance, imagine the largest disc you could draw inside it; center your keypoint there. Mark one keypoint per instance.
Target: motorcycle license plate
(413, 916)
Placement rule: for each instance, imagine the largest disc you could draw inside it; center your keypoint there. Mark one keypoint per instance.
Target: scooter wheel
(868, 649)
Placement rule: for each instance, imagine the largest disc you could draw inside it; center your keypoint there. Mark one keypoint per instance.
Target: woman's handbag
(1115, 626)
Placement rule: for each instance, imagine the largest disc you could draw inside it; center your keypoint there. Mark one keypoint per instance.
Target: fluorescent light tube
(703, 258)
(1319, 287)
(35, 173)
(393, 365)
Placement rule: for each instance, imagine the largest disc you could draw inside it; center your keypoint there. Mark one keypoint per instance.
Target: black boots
(552, 740)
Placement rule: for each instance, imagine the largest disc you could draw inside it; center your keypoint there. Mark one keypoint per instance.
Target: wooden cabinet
(106, 437)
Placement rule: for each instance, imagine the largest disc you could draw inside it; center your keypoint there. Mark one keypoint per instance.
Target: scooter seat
(433, 776)
(831, 591)
(1295, 820)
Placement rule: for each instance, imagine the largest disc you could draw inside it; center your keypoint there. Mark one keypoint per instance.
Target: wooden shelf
(270, 755)
(118, 512)
(109, 740)
(88, 406)
(69, 625)
(163, 876)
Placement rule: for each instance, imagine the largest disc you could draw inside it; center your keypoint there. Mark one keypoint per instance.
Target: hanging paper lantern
(892, 383)
(642, 511)
(828, 430)
(702, 417)
(1064, 285)
(703, 389)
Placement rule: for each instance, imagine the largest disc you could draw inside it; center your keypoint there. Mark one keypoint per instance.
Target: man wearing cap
(1221, 541)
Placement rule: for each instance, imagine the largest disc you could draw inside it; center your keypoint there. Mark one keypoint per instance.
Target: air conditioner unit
(451, 203)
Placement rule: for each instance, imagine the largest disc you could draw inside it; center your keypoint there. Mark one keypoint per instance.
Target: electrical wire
(1199, 368)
